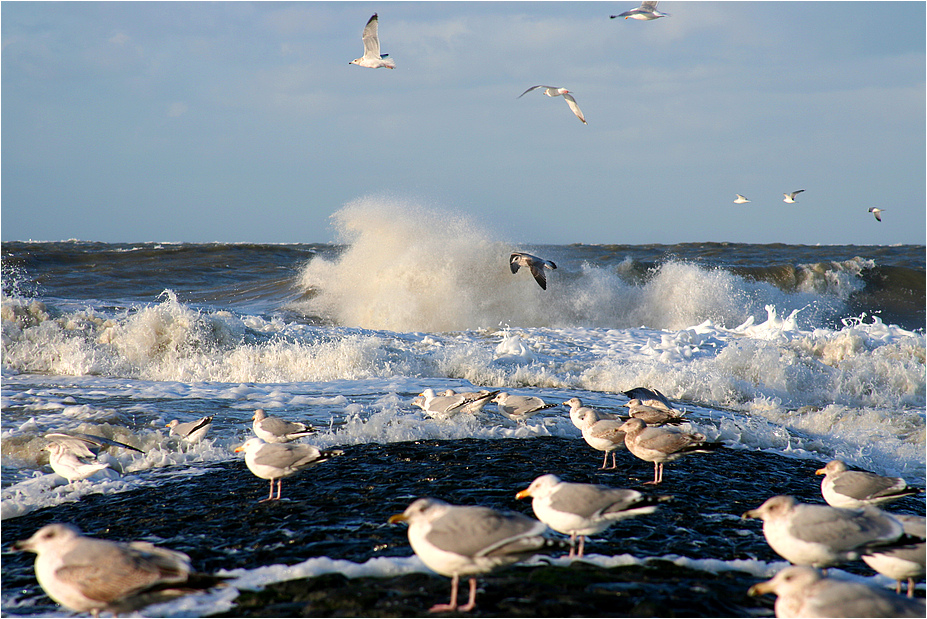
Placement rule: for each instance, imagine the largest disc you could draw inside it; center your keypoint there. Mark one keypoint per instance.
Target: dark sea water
(789, 355)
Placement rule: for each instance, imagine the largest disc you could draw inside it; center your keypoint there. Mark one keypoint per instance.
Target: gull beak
(397, 518)
(239, 448)
(820, 472)
(523, 494)
(759, 588)
(749, 514)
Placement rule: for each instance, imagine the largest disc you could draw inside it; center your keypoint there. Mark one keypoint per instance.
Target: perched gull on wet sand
(821, 536)
(740, 199)
(803, 592)
(519, 408)
(907, 562)
(602, 434)
(192, 431)
(842, 487)
(86, 574)
(535, 264)
(276, 430)
(790, 197)
(372, 58)
(276, 461)
(876, 212)
(660, 445)
(646, 11)
(460, 541)
(554, 91)
(583, 509)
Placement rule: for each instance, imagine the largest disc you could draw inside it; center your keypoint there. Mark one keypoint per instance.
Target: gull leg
(656, 475)
(572, 545)
(471, 603)
(910, 587)
(604, 462)
(453, 605)
(279, 487)
(582, 544)
(270, 497)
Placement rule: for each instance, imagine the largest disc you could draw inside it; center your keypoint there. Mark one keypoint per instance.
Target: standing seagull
(86, 574)
(276, 430)
(466, 540)
(275, 461)
(842, 487)
(659, 445)
(537, 266)
(372, 58)
(877, 212)
(646, 11)
(553, 91)
(740, 199)
(192, 431)
(790, 197)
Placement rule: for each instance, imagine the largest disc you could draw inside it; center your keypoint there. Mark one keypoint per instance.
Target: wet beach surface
(339, 510)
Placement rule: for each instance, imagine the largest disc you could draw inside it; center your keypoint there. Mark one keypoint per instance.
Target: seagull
(660, 445)
(458, 540)
(583, 509)
(71, 454)
(654, 415)
(275, 461)
(536, 265)
(85, 445)
(519, 408)
(740, 199)
(876, 212)
(276, 430)
(372, 58)
(554, 91)
(474, 401)
(906, 562)
(86, 574)
(650, 397)
(844, 488)
(445, 406)
(821, 536)
(192, 431)
(790, 197)
(602, 434)
(646, 11)
(803, 592)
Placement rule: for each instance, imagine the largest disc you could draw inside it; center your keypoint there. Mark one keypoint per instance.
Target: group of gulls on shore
(463, 541)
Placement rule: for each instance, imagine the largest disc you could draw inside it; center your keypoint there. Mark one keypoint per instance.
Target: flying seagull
(537, 266)
(646, 11)
(553, 91)
(372, 58)
(740, 199)
(790, 197)
(877, 212)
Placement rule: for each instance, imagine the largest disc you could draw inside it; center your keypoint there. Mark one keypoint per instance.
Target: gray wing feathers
(587, 500)
(862, 485)
(286, 456)
(371, 38)
(844, 529)
(480, 531)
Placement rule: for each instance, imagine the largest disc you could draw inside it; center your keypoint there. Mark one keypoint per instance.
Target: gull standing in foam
(276, 430)
(71, 454)
(803, 592)
(458, 540)
(372, 58)
(535, 264)
(660, 445)
(842, 487)
(276, 461)
(740, 199)
(191, 431)
(876, 212)
(646, 11)
(554, 91)
(583, 509)
(821, 536)
(445, 406)
(86, 574)
(790, 197)
(519, 408)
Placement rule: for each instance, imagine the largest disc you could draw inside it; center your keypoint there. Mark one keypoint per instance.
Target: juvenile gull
(646, 11)
(583, 509)
(790, 197)
(192, 431)
(372, 58)
(803, 592)
(821, 536)
(276, 461)
(740, 199)
(660, 445)
(844, 488)
(876, 212)
(554, 91)
(276, 430)
(535, 265)
(602, 434)
(907, 562)
(86, 574)
(519, 408)
(463, 541)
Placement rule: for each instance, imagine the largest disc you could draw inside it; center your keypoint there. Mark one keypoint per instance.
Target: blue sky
(244, 122)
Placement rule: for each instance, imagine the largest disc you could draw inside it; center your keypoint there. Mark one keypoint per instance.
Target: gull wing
(371, 39)
(532, 88)
(572, 103)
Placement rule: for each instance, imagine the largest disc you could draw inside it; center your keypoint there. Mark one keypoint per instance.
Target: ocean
(789, 355)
